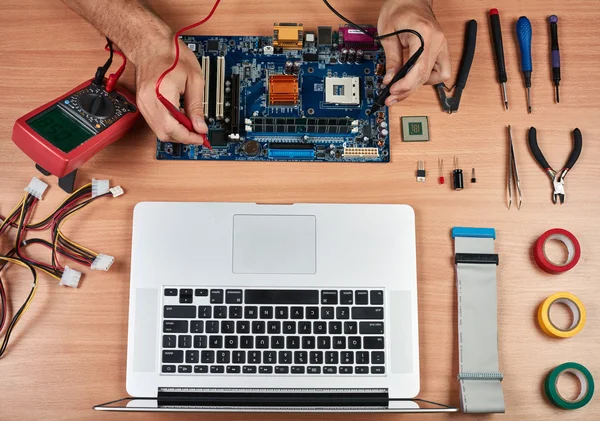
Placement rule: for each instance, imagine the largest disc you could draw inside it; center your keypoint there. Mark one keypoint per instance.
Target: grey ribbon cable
(479, 375)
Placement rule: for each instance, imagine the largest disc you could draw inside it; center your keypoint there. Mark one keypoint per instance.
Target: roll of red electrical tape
(565, 237)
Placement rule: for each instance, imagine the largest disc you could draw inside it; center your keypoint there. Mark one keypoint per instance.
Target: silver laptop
(247, 307)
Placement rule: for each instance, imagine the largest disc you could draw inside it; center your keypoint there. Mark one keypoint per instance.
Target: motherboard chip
(342, 90)
(212, 45)
(415, 129)
(288, 36)
(217, 138)
(283, 90)
(324, 37)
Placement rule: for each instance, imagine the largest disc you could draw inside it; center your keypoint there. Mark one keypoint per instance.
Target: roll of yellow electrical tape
(576, 307)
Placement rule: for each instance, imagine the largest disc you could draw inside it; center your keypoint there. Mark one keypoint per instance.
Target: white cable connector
(70, 278)
(36, 188)
(100, 187)
(102, 262)
(117, 191)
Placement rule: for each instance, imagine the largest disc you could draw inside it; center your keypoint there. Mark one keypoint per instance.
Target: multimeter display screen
(60, 129)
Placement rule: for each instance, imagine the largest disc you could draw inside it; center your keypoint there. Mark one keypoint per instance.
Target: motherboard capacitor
(297, 66)
(360, 55)
(343, 55)
(289, 67)
(351, 55)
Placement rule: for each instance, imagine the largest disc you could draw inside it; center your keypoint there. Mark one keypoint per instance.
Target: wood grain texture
(69, 351)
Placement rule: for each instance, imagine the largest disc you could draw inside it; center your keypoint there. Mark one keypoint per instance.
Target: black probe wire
(101, 71)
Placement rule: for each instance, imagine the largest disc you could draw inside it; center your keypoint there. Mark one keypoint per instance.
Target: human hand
(434, 64)
(186, 79)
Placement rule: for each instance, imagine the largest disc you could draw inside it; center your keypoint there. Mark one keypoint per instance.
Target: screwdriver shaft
(529, 99)
(504, 95)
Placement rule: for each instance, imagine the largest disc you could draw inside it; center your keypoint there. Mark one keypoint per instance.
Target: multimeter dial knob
(96, 105)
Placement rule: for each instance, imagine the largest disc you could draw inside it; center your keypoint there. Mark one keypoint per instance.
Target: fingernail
(201, 123)
(392, 102)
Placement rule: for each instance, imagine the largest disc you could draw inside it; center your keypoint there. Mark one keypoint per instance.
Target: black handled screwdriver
(499, 52)
(555, 53)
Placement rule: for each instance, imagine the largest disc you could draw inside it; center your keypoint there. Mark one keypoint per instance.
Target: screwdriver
(499, 51)
(524, 37)
(555, 53)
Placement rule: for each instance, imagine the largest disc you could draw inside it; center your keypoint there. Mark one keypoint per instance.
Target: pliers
(557, 178)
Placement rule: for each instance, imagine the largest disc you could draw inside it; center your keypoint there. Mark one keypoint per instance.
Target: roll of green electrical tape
(586, 385)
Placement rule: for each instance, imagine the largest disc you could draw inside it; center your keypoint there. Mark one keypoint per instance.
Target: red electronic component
(63, 134)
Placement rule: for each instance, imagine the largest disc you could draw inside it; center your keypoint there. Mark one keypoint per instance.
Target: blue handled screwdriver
(524, 37)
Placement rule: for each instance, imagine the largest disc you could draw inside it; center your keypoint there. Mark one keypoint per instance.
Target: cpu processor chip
(415, 129)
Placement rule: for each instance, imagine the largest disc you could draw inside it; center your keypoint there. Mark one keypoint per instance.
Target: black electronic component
(212, 93)
(310, 57)
(344, 55)
(457, 176)
(235, 103)
(324, 36)
(213, 45)
(217, 138)
(177, 147)
(294, 145)
(367, 131)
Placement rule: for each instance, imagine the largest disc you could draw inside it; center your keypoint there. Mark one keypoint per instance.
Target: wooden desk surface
(69, 351)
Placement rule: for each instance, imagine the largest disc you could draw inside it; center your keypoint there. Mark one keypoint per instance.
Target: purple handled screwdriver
(555, 53)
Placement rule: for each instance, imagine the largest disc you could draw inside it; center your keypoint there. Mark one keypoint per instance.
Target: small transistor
(421, 171)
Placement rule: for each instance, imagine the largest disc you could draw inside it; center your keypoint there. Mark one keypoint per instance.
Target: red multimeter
(63, 134)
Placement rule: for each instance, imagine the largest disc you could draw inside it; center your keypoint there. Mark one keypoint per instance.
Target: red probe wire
(179, 116)
(114, 78)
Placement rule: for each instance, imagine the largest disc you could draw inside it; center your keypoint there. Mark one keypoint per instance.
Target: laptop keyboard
(267, 331)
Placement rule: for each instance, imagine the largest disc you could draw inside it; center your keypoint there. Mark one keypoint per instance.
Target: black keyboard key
(217, 369)
(250, 312)
(335, 328)
(281, 296)
(345, 370)
(246, 342)
(308, 342)
(197, 327)
(234, 296)
(212, 327)
(329, 370)
(378, 370)
(170, 292)
(371, 328)
(234, 369)
(300, 357)
(367, 313)
(169, 341)
(304, 328)
(186, 291)
(377, 297)
(320, 328)
(231, 342)
(262, 342)
(297, 313)
(324, 342)
(265, 369)
(258, 327)
(329, 297)
(346, 297)
(172, 357)
(185, 341)
(362, 357)
(192, 357)
(227, 327)
(312, 313)
(204, 312)
(361, 370)
(316, 357)
(215, 342)
(285, 357)
(220, 312)
(266, 312)
(186, 299)
(373, 342)
(339, 342)
(216, 296)
(201, 292)
(282, 370)
(277, 342)
(274, 327)
(361, 297)
(297, 370)
(242, 326)
(332, 358)
(354, 342)
(350, 328)
(223, 357)
(293, 342)
(347, 357)
(249, 369)
(281, 313)
(289, 328)
(235, 312)
(200, 341)
(313, 370)
(327, 313)
(254, 357)
(169, 368)
(342, 313)
(270, 357)
(377, 357)
(207, 357)
(200, 369)
(238, 357)
(179, 312)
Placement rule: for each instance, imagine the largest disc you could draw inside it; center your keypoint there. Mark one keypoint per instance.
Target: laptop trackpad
(278, 244)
